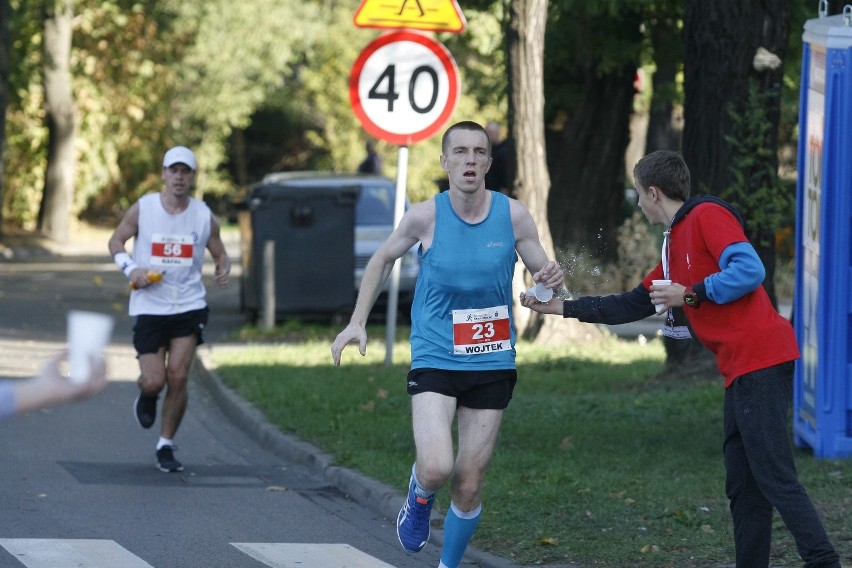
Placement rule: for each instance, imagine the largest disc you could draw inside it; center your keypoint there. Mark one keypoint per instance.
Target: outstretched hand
(350, 334)
(51, 387)
(550, 275)
(52, 380)
(554, 306)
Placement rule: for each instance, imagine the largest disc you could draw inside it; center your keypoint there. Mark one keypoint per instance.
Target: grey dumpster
(312, 228)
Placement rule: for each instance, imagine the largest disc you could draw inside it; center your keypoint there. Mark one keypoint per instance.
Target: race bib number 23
(486, 330)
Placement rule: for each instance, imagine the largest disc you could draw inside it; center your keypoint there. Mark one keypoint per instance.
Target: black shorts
(152, 332)
(471, 389)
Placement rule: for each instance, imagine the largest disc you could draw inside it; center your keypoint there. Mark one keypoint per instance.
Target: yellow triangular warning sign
(430, 15)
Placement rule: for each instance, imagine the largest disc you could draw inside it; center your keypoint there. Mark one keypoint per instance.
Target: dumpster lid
(306, 183)
(288, 191)
(321, 179)
(300, 184)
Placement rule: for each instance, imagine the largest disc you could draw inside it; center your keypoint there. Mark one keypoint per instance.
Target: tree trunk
(55, 211)
(525, 44)
(664, 132)
(721, 40)
(587, 197)
(771, 30)
(4, 96)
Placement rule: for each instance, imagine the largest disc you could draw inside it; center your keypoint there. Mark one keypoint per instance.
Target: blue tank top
(462, 310)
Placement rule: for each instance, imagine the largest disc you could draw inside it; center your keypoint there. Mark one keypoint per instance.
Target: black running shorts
(152, 332)
(471, 389)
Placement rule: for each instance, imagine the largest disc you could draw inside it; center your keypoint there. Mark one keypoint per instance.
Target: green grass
(599, 462)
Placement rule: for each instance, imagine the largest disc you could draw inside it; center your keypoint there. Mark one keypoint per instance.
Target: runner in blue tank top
(462, 335)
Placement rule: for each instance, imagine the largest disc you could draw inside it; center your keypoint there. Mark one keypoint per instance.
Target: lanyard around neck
(664, 254)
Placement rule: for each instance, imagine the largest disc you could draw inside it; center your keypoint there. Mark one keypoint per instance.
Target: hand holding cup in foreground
(51, 387)
(88, 335)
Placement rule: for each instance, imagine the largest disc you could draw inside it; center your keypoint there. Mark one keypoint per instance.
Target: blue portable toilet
(822, 310)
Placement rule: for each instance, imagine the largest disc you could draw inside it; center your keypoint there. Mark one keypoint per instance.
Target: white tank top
(174, 245)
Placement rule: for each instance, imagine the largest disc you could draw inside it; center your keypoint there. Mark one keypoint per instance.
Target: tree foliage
(26, 134)
(325, 133)
(756, 189)
(226, 78)
(262, 86)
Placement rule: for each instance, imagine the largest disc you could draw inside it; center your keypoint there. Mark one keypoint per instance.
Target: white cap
(180, 155)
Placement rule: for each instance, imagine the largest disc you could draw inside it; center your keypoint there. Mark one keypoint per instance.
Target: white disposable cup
(541, 292)
(660, 307)
(88, 335)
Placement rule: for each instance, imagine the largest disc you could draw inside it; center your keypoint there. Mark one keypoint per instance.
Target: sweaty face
(466, 159)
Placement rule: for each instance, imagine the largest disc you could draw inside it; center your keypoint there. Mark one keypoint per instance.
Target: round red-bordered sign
(404, 86)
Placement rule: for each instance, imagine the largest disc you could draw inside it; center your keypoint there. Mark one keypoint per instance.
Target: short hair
(464, 125)
(665, 170)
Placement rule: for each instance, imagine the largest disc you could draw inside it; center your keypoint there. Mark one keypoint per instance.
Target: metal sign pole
(393, 290)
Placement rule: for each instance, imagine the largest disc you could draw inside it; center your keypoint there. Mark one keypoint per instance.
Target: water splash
(582, 271)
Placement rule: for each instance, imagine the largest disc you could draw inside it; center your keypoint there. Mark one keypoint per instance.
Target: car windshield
(375, 206)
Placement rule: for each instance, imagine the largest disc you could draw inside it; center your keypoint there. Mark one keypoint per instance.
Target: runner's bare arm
(126, 230)
(219, 253)
(414, 226)
(529, 247)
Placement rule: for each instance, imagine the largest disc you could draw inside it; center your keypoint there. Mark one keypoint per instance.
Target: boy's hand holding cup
(661, 307)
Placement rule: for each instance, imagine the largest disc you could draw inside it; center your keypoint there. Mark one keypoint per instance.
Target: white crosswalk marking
(62, 553)
(295, 555)
(90, 553)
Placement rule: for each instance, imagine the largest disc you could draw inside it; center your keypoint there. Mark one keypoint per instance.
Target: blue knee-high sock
(458, 530)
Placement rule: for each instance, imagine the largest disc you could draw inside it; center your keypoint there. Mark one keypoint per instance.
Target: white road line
(297, 555)
(62, 553)
(90, 553)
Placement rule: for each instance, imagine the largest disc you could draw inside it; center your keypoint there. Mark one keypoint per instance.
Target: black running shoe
(145, 410)
(166, 460)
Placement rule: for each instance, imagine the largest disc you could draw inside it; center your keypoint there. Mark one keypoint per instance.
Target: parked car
(374, 216)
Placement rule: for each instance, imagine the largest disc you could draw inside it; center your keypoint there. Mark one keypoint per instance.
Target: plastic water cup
(541, 292)
(88, 335)
(661, 308)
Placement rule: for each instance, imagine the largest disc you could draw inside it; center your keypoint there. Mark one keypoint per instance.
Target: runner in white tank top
(172, 244)
(171, 231)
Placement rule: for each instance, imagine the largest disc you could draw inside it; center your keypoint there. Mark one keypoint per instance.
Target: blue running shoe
(412, 524)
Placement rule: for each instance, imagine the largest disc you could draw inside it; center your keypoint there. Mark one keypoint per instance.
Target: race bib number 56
(486, 330)
(171, 250)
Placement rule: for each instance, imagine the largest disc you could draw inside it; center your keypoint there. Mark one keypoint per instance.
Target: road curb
(364, 490)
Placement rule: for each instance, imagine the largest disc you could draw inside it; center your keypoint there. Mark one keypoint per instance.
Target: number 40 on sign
(404, 87)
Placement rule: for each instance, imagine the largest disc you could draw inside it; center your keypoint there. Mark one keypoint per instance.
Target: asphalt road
(79, 483)
(80, 487)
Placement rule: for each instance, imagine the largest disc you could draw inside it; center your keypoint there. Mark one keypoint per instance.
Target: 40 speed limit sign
(404, 87)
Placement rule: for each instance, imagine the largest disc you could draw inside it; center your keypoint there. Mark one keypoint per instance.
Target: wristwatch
(690, 298)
